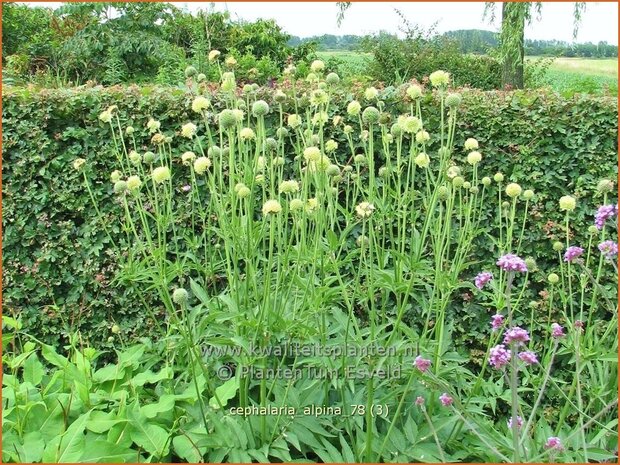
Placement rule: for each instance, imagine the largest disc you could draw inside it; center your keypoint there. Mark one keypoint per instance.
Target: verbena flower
(422, 364)
(115, 175)
(497, 321)
(516, 335)
(572, 253)
(247, 134)
(289, 187)
(331, 145)
(567, 203)
(409, 124)
(354, 108)
(312, 205)
(609, 249)
(294, 120)
(419, 401)
(513, 190)
(422, 137)
(317, 66)
(214, 54)
(106, 116)
(511, 262)
(296, 204)
(133, 183)
(554, 443)
(528, 357)
(557, 331)
(153, 125)
(482, 279)
(188, 158)
(453, 171)
(271, 207)
(371, 93)
(319, 97)
(312, 154)
(604, 213)
(231, 62)
(422, 160)
(445, 399)
(499, 356)
(364, 209)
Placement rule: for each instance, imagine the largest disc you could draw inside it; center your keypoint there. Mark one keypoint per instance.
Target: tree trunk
(512, 43)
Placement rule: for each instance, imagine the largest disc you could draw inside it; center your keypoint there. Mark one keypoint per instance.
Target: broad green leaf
(33, 370)
(224, 393)
(148, 377)
(165, 404)
(185, 449)
(100, 422)
(108, 373)
(98, 450)
(69, 447)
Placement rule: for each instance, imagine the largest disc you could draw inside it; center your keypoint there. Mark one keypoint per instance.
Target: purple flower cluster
(511, 262)
(528, 357)
(445, 399)
(497, 321)
(516, 334)
(482, 279)
(519, 422)
(603, 214)
(554, 443)
(499, 356)
(572, 253)
(557, 331)
(422, 364)
(609, 249)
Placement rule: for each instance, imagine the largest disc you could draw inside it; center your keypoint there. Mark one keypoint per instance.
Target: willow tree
(512, 36)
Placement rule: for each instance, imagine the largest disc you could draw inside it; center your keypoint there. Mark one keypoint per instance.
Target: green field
(347, 63)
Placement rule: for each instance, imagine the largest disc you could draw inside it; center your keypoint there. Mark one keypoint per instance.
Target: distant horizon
(307, 19)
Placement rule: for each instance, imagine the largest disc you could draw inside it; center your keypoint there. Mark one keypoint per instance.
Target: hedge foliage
(58, 270)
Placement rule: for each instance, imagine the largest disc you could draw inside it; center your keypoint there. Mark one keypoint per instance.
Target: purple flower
(511, 262)
(557, 331)
(572, 253)
(519, 422)
(445, 399)
(517, 335)
(186, 188)
(497, 321)
(528, 357)
(609, 249)
(579, 325)
(603, 214)
(554, 443)
(419, 401)
(421, 364)
(482, 279)
(499, 356)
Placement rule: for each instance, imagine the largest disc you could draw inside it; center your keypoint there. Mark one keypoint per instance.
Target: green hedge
(58, 269)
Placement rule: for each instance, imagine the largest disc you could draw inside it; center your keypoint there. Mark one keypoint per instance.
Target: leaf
(33, 370)
(100, 422)
(185, 449)
(101, 451)
(152, 438)
(68, 447)
(50, 354)
(148, 377)
(165, 404)
(224, 393)
(199, 292)
(108, 373)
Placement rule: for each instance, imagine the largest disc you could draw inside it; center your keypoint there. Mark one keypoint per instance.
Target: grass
(346, 63)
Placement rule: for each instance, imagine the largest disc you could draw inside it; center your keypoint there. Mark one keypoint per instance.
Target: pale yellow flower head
(202, 164)
(473, 158)
(271, 207)
(568, 203)
(364, 209)
(200, 104)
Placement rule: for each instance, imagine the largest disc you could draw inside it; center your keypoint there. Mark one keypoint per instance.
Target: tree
(512, 37)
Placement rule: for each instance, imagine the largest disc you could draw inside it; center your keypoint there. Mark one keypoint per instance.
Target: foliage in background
(57, 271)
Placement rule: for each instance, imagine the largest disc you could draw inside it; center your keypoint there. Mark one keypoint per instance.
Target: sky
(305, 19)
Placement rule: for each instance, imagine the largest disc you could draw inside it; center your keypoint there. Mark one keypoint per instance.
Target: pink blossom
(511, 262)
(554, 443)
(557, 331)
(579, 324)
(519, 422)
(497, 321)
(422, 364)
(445, 399)
(419, 400)
(482, 279)
(516, 334)
(499, 356)
(572, 253)
(603, 214)
(528, 357)
(609, 249)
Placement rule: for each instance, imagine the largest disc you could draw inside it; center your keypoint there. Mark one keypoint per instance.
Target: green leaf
(69, 447)
(199, 292)
(185, 449)
(33, 370)
(152, 438)
(108, 373)
(148, 377)
(224, 393)
(98, 450)
(165, 404)
(100, 422)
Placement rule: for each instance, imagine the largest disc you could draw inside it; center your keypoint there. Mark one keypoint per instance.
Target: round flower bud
(593, 229)
(513, 190)
(105, 116)
(567, 203)
(360, 159)
(409, 124)
(499, 177)
(317, 66)
(214, 151)
(553, 278)
(190, 71)
(279, 96)
(396, 130)
(332, 170)
(115, 329)
(471, 144)
(362, 241)
(505, 205)
(149, 157)
(115, 176)
(187, 158)
(458, 181)
(331, 145)
(467, 185)
(271, 144)
(200, 104)
(133, 183)
(312, 154)
(239, 115)
(288, 187)
(474, 190)
(371, 93)
(259, 179)
(230, 62)
(347, 129)
(135, 158)
(422, 160)
(243, 192)
(414, 91)
(227, 119)
(383, 171)
(120, 187)
(278, 161)
(271, 207)
(473, 158)
(422, 137)
(530, 262)
(486, 181)
(180, 296)
(247, 134)
(453, 100)
(528, 194)
(442, 193)
(201, 164)
(312, 77)
(247, 89)
(260, 108)
(294, 120)
(153, 126)
(214, 54)
(332, 79)
(605, 186)
(370, 115)
(78, 163)
(439, 79)
(111, 339)
(282, 133)
(354, 108)
(296, 204)
(129, 130)
(558, 246)
(160, 174)
(201, 77)
(260, 163)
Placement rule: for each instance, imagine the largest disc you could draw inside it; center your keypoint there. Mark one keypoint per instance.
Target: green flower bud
(553, 278)
(260, 108)
(558, 246)
(370, 115)
(180, 296)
